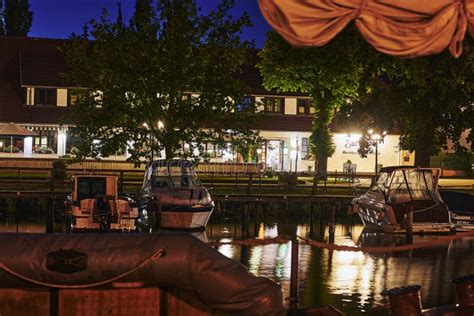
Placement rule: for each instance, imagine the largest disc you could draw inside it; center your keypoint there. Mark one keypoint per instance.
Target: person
(105, 214)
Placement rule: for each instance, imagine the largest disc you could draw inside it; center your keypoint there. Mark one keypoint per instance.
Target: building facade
(35, 95)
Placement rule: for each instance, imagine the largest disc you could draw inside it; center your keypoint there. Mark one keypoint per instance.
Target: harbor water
(351, 281)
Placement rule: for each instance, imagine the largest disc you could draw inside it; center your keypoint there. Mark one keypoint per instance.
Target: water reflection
(353, 281)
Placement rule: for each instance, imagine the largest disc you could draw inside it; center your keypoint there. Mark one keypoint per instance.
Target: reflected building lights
(226, 250)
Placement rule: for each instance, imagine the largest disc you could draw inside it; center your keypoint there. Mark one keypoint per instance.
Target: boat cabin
(95, 204)
(404, 185)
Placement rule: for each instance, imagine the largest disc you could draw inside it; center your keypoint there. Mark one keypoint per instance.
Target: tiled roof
(40, 62)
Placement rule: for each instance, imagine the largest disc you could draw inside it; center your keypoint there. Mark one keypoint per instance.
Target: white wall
(346, 149)
(62, 97)
(290, 106)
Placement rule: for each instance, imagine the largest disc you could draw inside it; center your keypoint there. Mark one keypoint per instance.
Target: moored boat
(94, 204)
(404, 198)
(173, 197)
(462, 207)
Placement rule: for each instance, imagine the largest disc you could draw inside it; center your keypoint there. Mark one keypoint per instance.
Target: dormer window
(305, 106)
(274, 105)
(45, 96)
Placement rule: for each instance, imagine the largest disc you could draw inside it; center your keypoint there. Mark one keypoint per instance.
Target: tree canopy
(332, 75)
(428, 100)
(16, 17)
(166, 80)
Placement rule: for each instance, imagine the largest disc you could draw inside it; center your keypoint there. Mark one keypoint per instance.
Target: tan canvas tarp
(81, 261)
(406, 28)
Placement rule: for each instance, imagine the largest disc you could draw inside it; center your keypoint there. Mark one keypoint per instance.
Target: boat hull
(191, 219)
(376, 220)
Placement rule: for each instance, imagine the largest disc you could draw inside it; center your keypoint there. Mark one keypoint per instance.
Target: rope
(322, 245)
(158, 254)
(432, 243)
(253, 242)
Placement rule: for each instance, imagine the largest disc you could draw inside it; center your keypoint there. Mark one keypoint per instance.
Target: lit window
(305, 106)
(304, 148)
(274, 105)
(72, 97)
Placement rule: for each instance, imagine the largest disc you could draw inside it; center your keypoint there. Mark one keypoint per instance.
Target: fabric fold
(396, 27)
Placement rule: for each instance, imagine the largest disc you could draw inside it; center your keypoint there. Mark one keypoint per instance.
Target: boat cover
(174, 260)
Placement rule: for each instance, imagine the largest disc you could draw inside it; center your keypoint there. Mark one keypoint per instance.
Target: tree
(332, 75)
(167, 80)
(2, 18)
(428, 99)
(16, 17)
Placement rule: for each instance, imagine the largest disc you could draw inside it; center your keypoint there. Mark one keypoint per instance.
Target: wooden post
(255, 219)
(249, 185)
(244, 227)
(332, 227)
(322, 211)
(294, 276)
(409, 221)
(121, 182)
(50, 214)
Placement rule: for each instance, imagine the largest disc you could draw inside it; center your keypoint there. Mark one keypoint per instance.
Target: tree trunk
(423, 151)
(322, 166)
(169, 154)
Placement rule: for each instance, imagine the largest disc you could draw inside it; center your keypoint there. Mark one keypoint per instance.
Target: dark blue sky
(59, 18)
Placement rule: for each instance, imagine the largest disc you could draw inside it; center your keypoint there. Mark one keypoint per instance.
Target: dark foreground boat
(462, 207)
(116, 274)
(399, 194)
(173, 197)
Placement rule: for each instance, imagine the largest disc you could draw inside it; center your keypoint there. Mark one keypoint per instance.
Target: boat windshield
(90, 187)
(408, 185)
(175, 177)
(382, 182)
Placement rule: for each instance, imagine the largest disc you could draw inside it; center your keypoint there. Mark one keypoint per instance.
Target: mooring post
(294, 276)
(244, 228)
(332, 219)
(409, 222)
(322, 220)
(255, 219)
(50, 214)
(121, 182)
(249, 185)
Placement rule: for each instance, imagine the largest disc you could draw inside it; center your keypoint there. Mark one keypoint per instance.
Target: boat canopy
(402, 185)
(174, 174)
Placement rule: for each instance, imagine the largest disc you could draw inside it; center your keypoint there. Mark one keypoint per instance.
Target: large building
(35, 95)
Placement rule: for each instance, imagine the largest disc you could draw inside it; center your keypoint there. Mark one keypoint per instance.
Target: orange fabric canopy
(406, 28)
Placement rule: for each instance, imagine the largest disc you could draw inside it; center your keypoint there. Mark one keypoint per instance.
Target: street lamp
(375, 140)
(259, 153)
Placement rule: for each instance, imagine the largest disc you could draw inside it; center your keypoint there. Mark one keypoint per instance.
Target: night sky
(59, 18)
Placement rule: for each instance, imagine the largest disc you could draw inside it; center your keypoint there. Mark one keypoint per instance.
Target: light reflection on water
(351, 281)
(354, 281)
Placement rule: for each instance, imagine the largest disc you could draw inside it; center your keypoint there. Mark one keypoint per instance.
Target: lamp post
(259, 152)
(375, 140)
